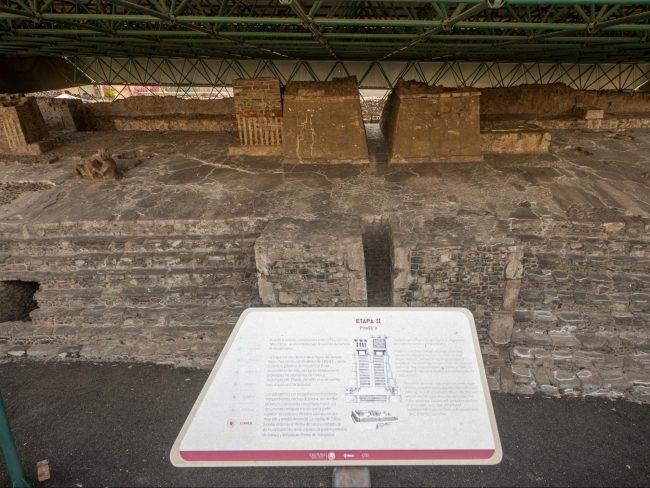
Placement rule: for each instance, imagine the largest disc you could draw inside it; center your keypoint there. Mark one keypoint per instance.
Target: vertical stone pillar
(258, 108)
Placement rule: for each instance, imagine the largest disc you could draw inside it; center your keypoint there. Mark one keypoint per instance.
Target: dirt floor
(114, 424)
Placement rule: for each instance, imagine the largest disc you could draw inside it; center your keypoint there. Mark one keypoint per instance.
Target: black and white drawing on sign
(373, 379)
(378, 417)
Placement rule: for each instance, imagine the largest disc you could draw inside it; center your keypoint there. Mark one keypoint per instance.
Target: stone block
(511, 295)
(522, 375)
(22, 128)
(62, 114)
(515, 141)
(17, 351)
(425, 124)
(563, 339)
(589, 113)
(43, 350)
(565, 379)
(317, 262)
(501, 327)
(322, 123)
(514, 269)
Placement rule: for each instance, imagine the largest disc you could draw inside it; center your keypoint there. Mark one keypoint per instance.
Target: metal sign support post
(351, 477)
(18, 479)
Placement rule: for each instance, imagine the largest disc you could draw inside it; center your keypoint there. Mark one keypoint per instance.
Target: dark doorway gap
(376, 253)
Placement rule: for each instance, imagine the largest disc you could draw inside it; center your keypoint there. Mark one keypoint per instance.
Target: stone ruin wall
(151, 290)
(162, 113)
(61, 114)
(561, 308)
(558, 100)
(258, 108)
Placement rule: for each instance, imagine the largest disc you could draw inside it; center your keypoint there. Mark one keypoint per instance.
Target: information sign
(344, 386)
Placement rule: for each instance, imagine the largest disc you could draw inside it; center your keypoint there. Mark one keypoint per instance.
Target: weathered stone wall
(313, 263)
(62, 114)
(423, 124)
(323, 123)
(431, 270)
(162, 113)
(556, 100)
(22, 128)
(561, 308)
(164, 291)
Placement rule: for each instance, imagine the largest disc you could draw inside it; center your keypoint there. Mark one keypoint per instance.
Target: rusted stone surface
(323, 123)
(423, 124)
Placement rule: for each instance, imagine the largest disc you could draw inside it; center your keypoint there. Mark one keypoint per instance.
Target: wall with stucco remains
(323, 123)
(561, 308)
(168, 291)
(423, 124)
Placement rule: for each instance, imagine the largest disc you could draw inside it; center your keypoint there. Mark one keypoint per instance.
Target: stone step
(589, 264)
(586, 320)
(561, 280)
(129, 261)
(579, 300)
(213, 295)
(70, 245)
(180, 277)
(163, 315)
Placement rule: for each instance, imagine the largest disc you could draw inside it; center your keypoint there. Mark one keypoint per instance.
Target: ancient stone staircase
(146, 289)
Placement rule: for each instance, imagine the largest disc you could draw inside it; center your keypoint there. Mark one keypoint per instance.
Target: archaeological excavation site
(163, 168)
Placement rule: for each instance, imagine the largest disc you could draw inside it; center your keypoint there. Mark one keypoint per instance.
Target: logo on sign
(331, 455)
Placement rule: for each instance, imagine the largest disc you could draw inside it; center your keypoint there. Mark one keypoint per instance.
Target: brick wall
(258, 108)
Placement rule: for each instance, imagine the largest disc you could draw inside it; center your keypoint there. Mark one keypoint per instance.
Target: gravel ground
(114, 424)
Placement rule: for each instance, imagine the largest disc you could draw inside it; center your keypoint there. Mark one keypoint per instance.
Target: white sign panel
(319, 386)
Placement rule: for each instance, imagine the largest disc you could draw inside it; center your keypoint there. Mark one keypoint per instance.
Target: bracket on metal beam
(495, 4)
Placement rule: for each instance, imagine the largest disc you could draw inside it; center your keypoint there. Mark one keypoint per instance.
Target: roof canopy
(440, 30)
